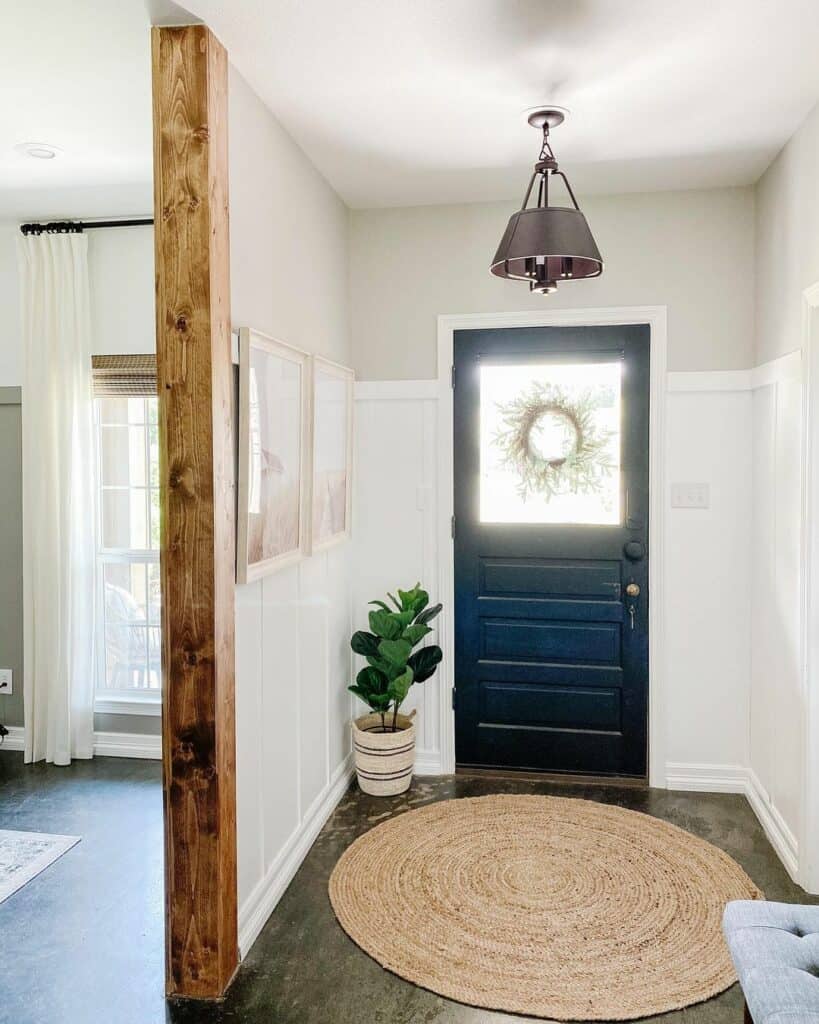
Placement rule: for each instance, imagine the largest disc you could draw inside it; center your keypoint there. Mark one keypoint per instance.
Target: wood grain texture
(194, 375)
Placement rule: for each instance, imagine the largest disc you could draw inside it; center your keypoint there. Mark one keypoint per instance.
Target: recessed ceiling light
(38, 150)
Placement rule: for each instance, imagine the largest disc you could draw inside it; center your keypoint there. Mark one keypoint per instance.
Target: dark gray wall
(11, 553)
(144, 725)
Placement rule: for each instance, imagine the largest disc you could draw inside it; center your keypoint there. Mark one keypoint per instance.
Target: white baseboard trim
(705, 778)
(262, 901)
(777, 831)
(720, 778)
(15, 739)
(106, 744)
(127, 744)
(428, 762)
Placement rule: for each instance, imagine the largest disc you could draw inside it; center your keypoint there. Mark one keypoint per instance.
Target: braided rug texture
(551, 907)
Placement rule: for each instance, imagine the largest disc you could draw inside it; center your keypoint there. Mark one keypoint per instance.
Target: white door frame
(655, 317)
(808, 868)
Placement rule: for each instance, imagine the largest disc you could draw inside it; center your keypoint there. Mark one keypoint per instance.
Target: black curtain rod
(68, 227)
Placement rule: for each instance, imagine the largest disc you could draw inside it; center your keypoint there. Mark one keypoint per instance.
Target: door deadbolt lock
(633, 589)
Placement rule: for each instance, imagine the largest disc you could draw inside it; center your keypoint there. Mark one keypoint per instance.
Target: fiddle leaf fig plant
(392, 667)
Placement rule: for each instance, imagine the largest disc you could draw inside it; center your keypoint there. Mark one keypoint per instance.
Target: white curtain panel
(58, 498)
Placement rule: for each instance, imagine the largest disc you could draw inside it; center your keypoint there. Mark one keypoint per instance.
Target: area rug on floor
(25, 854)
(565, 909)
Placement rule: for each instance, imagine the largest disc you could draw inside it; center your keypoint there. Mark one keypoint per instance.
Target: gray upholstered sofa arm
(775, 949)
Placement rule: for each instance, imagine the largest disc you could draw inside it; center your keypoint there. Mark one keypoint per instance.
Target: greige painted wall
(787, 244)
(288, 235)
(289, 251)
(11, 553)
(691, 251)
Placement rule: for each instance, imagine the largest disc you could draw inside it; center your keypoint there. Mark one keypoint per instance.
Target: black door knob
(634, 550)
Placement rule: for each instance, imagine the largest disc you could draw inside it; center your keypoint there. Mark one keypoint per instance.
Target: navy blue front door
(551, 549)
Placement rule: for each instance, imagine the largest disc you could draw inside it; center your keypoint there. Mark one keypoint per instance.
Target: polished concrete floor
(86, 934)
(82, 942)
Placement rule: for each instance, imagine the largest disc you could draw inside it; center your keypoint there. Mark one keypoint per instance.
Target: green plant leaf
(399, 687)
(381, 604)
(385, 624)
(372, 687)
(405, 617)
(395, 652)
(380, 701)
(428, 614)
(364, 643)
(384, 667)
(416, 633)
(395, 601)
(420, 602)
(409, 597)
(424, 662)
(372, 680)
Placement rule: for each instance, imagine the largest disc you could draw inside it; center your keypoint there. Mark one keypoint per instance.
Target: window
(129, 630)
(550, 443)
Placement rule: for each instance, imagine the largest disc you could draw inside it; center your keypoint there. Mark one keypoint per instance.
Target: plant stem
(395, 718)
(383, 722)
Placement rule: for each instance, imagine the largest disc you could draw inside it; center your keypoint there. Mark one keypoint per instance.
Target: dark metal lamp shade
(545, 245)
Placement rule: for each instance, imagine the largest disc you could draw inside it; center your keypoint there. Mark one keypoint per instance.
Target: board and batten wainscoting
(293, 710)
(732, 578)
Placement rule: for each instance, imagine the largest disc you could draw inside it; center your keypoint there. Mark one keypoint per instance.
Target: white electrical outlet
(690, 496)
(5, 681)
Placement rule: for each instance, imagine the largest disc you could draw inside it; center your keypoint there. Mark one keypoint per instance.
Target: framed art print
(274, 455)
(332, 456)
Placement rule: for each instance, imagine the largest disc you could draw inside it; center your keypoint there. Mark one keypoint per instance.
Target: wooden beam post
(195, 381)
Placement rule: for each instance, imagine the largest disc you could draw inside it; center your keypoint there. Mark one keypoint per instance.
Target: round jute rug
(565, 909)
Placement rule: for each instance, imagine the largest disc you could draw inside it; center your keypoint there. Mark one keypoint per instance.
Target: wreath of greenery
(582, 469)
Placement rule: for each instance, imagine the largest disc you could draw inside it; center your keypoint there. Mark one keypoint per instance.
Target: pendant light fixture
(545, 244)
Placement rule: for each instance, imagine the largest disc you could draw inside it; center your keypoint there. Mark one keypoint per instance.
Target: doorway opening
(651, 320)
(551, 497)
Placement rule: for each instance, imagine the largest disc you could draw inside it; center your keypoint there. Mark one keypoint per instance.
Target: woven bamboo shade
(124, 375)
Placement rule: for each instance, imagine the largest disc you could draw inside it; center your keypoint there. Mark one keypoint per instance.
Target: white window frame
(107, 701)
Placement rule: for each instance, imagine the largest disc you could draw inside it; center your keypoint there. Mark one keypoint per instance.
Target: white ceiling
(76, 75)
(404, 102)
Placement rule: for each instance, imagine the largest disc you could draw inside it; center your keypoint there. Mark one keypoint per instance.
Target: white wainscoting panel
(293, 762)
(707, 572)
(776, 756)
(708, 580)
(396, 517)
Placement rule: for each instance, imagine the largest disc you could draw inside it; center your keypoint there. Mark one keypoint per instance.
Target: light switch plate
(5, 682)
(690, 496)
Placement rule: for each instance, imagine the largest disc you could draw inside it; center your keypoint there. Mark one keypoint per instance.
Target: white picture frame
(331, 470)
(274, 468)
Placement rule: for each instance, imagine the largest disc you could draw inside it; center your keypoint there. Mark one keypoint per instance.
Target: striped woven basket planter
(384, 760)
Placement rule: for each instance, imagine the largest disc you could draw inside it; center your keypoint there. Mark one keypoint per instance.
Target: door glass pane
(550, 443)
